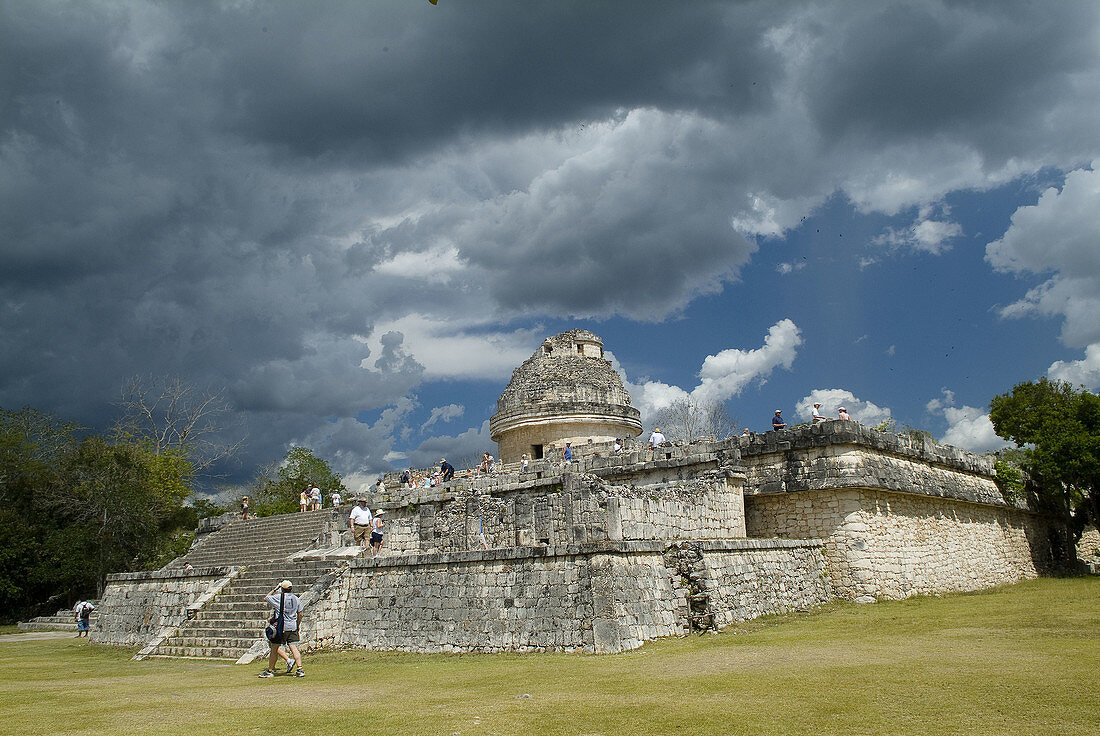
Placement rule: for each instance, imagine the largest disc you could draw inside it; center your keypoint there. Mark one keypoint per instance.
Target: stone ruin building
(603, 553)
(565, 392)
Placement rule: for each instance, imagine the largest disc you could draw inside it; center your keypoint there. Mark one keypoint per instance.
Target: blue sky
(354, 219)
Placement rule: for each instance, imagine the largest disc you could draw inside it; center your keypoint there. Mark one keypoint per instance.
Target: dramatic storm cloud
(350, 216)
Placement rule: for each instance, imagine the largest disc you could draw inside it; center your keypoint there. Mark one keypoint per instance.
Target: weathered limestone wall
(670, 501)
(743, 582)
(599, 597)
(880, 544)
(136, 606)
(833, 455)
(709, 507)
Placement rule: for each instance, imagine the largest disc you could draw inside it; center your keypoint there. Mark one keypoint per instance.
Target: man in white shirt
(360, 521)
(656, 438)
(83, 611)
(818, 416)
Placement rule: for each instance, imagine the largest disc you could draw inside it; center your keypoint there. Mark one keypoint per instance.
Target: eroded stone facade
(565, 392)
(613, 549)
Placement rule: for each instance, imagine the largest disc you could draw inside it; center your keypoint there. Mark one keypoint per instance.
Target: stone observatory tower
(565, 392)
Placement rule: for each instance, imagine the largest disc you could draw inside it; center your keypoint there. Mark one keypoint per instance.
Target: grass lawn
(1019, 660)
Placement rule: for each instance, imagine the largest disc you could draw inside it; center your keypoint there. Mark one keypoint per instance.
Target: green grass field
(1019, 660)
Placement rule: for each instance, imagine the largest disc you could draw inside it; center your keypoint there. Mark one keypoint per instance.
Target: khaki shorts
(361, 532)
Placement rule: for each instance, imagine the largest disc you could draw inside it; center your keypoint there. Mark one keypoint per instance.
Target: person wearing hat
(777, 420)
(818, 416)
(244, 508)
(842, 413)
(287, 618)
(656, 438)
(376, 532)
(446, 469)
(360, 521)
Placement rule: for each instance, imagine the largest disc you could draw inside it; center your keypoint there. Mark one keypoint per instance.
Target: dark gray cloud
(244, 194)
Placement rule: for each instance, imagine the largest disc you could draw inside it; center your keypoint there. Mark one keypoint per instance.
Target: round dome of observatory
(565, 392)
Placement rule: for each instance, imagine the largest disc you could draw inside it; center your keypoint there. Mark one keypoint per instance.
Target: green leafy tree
(73, 510)
(31, 445)
(276, 489)
(127, 498)
(1057, 428)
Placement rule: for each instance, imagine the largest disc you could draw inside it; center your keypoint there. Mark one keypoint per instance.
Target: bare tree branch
(687, 420)
(171, 414)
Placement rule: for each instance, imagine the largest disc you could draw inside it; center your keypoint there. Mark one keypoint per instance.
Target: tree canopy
(276, 488)
(73, 509)
(1057, 429)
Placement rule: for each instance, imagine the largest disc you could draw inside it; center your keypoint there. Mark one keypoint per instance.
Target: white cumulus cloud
(1058, 236)
(444, 414)
(724, 374)
(1084, 372)
(867, 413)
(968, 427)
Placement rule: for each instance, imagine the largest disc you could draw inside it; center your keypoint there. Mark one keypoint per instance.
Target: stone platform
(603, 553)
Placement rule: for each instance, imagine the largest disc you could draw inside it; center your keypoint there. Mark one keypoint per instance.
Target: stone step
(35, 625)
(217, 642)
(199, 652)
(211, 616)
(238, 608)
(185, 656)
(232, 622)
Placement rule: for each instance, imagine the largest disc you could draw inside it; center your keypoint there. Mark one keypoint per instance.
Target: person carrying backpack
(286, 619)
(83, 612)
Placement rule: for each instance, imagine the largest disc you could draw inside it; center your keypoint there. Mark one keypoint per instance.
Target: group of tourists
(817, 417)
(364, 524)
(430, 479)
(310, 498)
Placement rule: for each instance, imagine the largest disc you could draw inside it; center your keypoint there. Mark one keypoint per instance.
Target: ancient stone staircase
(269, 538)
(63, 620)
(228, 626)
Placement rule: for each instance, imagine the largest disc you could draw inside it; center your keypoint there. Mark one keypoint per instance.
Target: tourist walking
(244, 508)
(567, 453)
(287, 620)
(315, 498)
(376, 532)
(303, 500)
(360, 521)
(83, 612)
